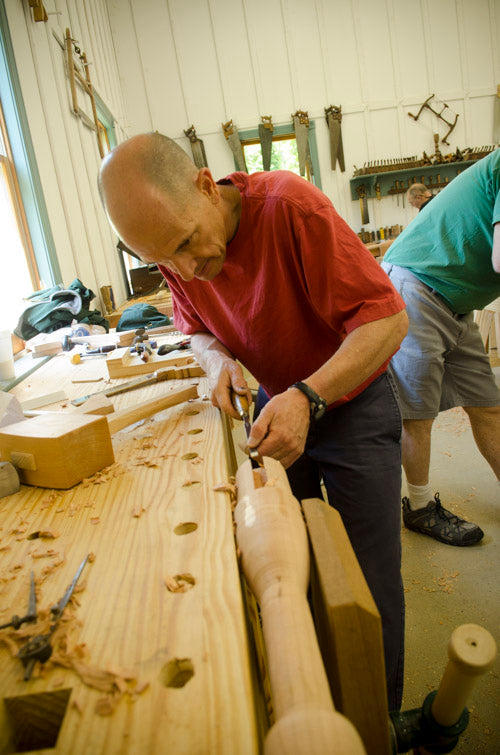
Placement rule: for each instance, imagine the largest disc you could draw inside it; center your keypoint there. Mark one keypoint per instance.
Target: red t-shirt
(296, 280)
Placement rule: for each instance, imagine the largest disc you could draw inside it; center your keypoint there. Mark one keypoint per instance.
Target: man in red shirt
(263, 270)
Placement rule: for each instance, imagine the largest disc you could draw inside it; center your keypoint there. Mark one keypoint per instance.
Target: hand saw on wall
(333, 116)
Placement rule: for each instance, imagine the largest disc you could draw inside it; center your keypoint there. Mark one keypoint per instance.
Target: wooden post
(472, 652)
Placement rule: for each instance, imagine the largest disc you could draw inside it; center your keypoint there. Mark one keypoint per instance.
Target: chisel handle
(240, 403)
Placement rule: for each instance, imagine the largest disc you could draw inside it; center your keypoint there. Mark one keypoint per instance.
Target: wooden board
(348, 627)
(151, 516)
(121, 363)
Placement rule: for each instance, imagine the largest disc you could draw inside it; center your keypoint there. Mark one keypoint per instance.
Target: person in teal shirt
(446, 264)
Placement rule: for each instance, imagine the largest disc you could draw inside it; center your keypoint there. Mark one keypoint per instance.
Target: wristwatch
(317, 404)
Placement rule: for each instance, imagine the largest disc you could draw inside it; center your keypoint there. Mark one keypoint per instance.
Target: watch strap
(317, 404)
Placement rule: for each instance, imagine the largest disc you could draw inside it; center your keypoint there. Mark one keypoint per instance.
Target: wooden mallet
(272, 539)
(59, 449)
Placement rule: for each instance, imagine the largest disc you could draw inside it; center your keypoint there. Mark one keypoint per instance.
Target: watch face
(319, 410)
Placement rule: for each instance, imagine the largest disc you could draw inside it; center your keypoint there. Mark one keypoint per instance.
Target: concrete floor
(449, 586)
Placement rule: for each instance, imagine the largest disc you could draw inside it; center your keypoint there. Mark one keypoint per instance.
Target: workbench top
(151, 655)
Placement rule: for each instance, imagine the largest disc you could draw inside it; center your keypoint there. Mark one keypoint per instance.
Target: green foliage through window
(284, 156)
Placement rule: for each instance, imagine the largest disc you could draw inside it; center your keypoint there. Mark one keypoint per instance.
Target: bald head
(165, 209)
(151, 159)
(417, 195)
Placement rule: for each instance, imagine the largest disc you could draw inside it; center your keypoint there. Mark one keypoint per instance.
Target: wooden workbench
(173, 666)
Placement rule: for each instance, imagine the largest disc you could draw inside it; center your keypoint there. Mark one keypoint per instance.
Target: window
(27, 252)
(17, 261)
(284, 155)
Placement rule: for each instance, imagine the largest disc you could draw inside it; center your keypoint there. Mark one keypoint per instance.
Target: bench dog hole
(177, 673)
(180, 582)
(185, 528)
(34, 721)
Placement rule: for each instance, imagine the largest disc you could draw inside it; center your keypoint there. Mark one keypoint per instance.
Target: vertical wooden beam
(349, 628)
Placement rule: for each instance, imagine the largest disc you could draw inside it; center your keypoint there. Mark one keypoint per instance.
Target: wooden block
(51, 452)
(121, 363)
(97, 404)
(349, 628)
(9, 479)
(48, 398)
(10, 409)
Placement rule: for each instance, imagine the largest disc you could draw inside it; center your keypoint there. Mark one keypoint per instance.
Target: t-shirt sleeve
(496, 210)
(186, 319)
(346, 285)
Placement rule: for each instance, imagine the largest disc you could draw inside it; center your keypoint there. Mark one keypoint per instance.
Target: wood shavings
(95, 519)
(20, 529)
(106, 706)
(138, 509)
(104, 475)
(49, 569)
(139, 689)
(80, 586)
(91, 557)
(50, 553)
(10, 643)
(49, 500)
(445, 583)
(180, 583)
(5, 547)
(228, 487)
(77, 706)
(114, 683)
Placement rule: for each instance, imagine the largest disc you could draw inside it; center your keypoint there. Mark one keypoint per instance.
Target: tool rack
(433, 176)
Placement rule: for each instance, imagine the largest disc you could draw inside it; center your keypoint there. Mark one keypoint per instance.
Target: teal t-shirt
(449, 244)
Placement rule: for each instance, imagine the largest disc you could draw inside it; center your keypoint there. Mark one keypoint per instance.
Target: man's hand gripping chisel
(240, 403)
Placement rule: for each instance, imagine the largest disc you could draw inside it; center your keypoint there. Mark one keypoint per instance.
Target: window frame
(284, 131)
(29, 188)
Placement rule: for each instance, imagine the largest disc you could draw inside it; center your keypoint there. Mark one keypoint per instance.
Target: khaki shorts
(441, 362)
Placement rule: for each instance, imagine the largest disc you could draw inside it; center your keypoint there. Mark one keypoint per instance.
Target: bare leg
(433, 520)
(416, 446)
(485, 422)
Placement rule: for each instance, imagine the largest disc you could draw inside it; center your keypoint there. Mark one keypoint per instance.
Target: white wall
(202, 62)
(66, 150)
(167, 64)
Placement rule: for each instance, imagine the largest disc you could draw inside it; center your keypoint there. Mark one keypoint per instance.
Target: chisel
(240, 403)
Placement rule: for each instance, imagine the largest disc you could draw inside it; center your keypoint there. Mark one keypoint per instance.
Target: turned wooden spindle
(272, 539)
(471, 652)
